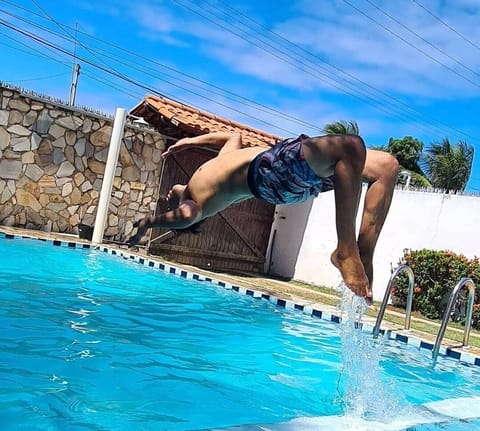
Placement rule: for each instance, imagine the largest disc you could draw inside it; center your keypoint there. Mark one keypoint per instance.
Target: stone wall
(52, 160)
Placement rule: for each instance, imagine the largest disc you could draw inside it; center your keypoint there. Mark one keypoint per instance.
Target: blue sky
(397, 67)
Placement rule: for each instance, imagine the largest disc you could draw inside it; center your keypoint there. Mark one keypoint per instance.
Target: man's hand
(180, 145)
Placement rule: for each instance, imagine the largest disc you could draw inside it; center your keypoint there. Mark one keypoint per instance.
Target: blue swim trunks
(281, 175)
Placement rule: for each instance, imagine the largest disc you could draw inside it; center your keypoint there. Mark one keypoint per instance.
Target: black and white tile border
(306, 307)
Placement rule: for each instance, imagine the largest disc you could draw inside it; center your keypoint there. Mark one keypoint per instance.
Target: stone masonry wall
(52, 160)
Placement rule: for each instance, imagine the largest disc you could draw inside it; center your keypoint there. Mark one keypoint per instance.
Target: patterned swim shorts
(281, 175)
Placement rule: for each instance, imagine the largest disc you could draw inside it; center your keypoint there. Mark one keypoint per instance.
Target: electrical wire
(136, 66)
(380, 105)
(29, 50)
(375, 101)
(233, 94)
(426, 54)
(237, 12)
(446, 54)
(310, 70)
(124, 90)
(466, 39)
(35, 53)
(92, 51)
(73, 38)
(146, 87)
(40, 78)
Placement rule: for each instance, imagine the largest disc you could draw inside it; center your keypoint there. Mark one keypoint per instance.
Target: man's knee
(388, 165)
(381, 165)
(351, 146)
(354, 146)
(325, 152)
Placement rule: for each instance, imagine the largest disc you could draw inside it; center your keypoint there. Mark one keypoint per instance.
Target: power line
(314, 70)
(466, 39)
(295, 62)
(404, 105)
(64, 51)
(40, 78)
(382, 107)
(133, 65)
(29, 50)
(423, 39)
(35, 53)
(130, 80)
(426, 54)
(231, 93)
(122, 89)
(62, 27)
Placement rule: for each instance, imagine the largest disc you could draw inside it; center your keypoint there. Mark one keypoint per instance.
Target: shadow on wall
(288, 228)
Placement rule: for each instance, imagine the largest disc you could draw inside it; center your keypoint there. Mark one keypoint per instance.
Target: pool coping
(308, 308)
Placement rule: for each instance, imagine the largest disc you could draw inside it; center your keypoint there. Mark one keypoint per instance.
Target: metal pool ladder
(467, 282)
(408, 310)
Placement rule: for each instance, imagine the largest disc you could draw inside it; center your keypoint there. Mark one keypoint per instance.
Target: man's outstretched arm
(225, 141)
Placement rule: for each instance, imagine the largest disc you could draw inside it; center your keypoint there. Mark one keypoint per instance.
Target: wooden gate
(234, 240)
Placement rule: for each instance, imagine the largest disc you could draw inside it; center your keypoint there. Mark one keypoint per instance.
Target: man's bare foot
(353, 274)
(142, 225)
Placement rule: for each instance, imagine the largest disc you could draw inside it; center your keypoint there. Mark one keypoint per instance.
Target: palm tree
(342, 127)
(449, 166)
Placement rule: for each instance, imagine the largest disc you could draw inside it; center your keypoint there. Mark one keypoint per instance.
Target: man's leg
(185, 215)
(380, 172)
(344, 156)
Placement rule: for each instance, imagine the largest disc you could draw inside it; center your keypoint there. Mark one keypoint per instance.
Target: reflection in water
(81, 348)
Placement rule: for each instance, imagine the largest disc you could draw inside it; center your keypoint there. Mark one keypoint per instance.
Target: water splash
(361, 389)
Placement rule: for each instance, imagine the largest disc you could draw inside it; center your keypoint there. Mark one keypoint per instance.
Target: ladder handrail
(408, 310)
(468, 282)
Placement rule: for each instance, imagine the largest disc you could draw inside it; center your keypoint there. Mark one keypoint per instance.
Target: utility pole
(73, 87)
(76, 71)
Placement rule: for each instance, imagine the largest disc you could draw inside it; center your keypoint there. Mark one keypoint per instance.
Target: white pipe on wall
(109, 174)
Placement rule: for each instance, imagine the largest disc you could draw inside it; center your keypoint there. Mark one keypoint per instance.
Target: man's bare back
(221, 181)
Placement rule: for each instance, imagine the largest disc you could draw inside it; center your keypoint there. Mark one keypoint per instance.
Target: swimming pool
(93, 342)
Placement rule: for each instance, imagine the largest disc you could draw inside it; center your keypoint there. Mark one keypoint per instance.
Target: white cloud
(334, 32)
(158, 23)
(345, 38)
(365, 49)
(470, 6)
(114, 9)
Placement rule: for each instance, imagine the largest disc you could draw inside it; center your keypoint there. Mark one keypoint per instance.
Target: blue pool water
(90, 341)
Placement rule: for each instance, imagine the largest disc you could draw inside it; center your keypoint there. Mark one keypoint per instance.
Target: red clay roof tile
(179, 114)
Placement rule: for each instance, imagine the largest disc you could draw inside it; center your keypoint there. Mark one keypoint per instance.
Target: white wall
(416, 220)
(286, 238)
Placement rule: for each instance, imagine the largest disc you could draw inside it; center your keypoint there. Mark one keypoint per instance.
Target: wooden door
(235, 240)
